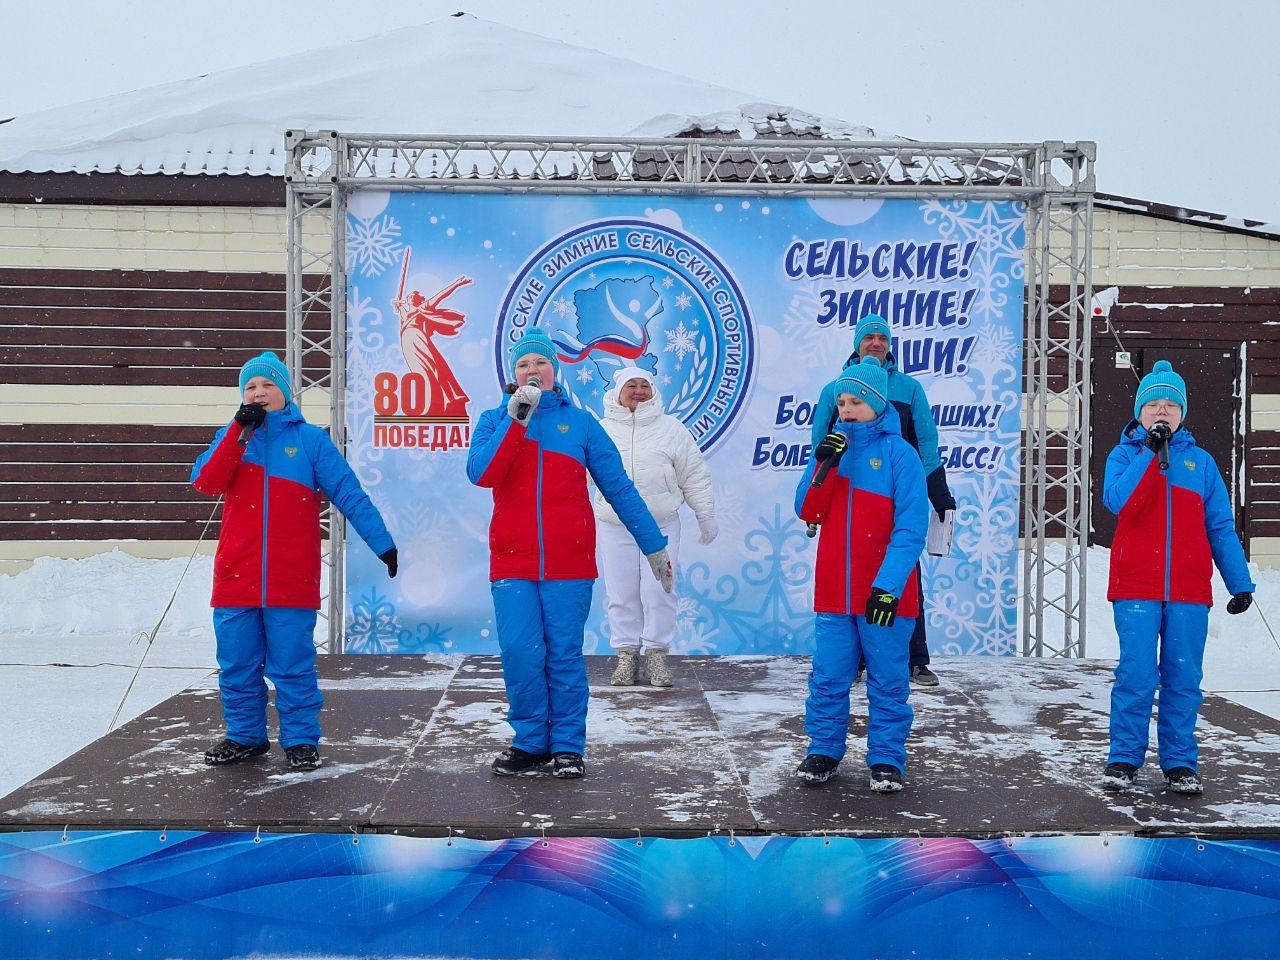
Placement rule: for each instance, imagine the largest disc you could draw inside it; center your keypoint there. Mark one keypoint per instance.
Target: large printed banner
(743, 309)
(152, 896)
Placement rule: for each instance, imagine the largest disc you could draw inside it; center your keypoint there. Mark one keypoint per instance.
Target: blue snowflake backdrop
(742, 309)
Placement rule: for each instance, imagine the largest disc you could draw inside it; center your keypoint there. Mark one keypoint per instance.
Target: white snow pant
(640, 612)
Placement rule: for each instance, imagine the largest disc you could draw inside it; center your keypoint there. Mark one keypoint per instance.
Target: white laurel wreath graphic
(685, 399)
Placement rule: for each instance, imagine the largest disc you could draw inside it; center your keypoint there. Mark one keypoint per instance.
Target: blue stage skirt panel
(143, 894)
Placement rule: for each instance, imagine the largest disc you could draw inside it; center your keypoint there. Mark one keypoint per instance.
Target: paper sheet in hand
(938, 541)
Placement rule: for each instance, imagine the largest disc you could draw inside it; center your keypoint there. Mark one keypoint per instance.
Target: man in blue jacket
(872, 338)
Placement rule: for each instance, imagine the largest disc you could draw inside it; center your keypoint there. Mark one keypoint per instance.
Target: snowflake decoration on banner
(373, 626)
(425, 638)
(668, 283)
(373, 245)
(585, 375)
(816, 344)
(683, 301)
(987, 521)
(680, 341)
(366, 344)
(772, 621)
(563, 307)
(1000, 257)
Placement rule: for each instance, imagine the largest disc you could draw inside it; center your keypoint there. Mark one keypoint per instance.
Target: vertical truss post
(315, 322)
(1056, 451)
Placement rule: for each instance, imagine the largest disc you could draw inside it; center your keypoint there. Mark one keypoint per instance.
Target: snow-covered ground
(72, 637)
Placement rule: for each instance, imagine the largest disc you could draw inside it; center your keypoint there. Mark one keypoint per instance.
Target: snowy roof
(455, 76)
(1202, 218)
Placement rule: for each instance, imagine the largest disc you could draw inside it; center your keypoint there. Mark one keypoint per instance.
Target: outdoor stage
(1002, 840)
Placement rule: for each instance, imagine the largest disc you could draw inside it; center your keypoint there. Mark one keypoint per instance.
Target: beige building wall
(82, 237)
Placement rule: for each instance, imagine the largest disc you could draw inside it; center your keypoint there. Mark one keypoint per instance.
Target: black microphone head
(535, 382)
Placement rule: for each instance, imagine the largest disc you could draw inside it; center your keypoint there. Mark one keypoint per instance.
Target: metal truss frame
(1054, 179)
(1056, 501)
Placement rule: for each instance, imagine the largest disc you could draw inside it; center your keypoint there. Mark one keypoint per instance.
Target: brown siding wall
(1219, 317)
(81, 329)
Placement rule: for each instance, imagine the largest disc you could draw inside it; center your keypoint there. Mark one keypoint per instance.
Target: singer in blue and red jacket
(1174, 522)
(535, 452)
(273, 467)
(873, 509)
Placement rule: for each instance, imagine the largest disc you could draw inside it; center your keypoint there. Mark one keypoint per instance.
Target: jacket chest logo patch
(291, 451)
(875, 463)
(1189, 464)
(562, 427)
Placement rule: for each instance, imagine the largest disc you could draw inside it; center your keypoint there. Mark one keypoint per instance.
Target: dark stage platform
(1004, 746)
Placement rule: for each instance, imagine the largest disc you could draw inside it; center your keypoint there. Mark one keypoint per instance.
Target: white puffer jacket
(661, 457)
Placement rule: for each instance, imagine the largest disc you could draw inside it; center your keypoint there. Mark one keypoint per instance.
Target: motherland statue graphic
(421, 318)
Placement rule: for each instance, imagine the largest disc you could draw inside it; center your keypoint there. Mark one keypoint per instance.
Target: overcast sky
(1181, 97)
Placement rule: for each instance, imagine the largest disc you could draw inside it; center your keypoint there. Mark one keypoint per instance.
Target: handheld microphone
(820, 475)
(246, 431)
(1162, 455)
(522, 409)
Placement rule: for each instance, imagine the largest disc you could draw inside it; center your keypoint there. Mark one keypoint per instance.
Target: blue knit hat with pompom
(1161, 384)
(267, 365)
(868, 381)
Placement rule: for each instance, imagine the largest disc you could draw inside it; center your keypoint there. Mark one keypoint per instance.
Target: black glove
(1240, 603)
(882, 608)
(832, 445)
(1158, 436)
(391, 558)
(251, 415)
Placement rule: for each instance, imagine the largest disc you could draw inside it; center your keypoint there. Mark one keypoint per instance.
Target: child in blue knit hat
(535, 451)
(1174, 509)
(272, 467)
(865, 485)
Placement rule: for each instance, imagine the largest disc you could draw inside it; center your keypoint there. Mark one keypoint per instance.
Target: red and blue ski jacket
(543, 527)
(1173, 524)
(269, 550)
(874, 512)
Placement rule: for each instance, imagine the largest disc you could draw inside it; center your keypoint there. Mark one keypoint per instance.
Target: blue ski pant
(275, 642)
(840, 641)
(540, 626)
(1165, 642)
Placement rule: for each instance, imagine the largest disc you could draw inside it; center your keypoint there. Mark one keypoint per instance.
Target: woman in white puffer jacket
(665, 464)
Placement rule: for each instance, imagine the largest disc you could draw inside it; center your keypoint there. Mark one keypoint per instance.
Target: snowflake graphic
(373, 245)
(584, 375)
(665, 380)
(426, 637)
(563, 307)
(756, 609)
(668, 283)
(680, 341)
(373, 626)
(683, 300)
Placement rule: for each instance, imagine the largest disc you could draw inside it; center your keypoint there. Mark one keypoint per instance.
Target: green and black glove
(882, 608)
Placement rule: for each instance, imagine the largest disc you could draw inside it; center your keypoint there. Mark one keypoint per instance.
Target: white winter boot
(626, 670)
(656, 669)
